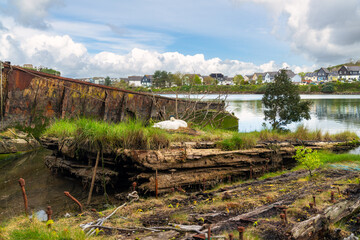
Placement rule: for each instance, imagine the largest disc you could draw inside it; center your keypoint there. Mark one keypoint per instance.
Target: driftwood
(310, 228)
(153, 229)
(260, 210)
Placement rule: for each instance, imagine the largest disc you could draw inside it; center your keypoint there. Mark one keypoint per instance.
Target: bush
(237, 141)
(308, 158)
(328, 88)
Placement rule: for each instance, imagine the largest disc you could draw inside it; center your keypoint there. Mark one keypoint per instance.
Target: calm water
(42, 187)
(330, 113)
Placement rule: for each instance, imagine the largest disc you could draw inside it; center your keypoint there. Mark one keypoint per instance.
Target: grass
(130, 135)
(20, 228)
(329, 157)
(237, 141)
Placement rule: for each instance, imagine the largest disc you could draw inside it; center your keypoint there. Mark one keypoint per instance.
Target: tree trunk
(93, 177)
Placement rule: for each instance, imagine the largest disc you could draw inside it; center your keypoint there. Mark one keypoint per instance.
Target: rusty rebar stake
(22, 185)
(74, 199)
(241, 231)
(49, 212)
(314, 198)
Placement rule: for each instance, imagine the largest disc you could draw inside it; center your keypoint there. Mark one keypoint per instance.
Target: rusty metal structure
(33, 97)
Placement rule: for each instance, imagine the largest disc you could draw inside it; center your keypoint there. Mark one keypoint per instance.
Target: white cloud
(32, 13)
(326, 31)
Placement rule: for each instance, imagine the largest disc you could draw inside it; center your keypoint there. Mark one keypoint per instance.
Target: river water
(42, 187)
(329, 113)
(332, 113)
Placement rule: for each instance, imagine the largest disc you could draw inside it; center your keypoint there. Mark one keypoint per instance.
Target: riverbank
(254, 204)
(327, 88)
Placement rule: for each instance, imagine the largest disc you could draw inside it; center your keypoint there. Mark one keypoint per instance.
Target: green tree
(282, 102)
(196, 80)
(161, 78)
(178, 79)
(302, 75)
(308, 158)
(239, 80)
(207, 80)
(107, 81)
(259, 79)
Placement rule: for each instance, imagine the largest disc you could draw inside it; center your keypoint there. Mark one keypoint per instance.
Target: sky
(118, 38)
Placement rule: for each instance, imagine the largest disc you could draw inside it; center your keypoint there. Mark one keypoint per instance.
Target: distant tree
(302, 75)
(259, 80)
(178, 79)
(239, 80)
(121, 84)
(196, 80)
(160, 78)
(107, 81)
(282, 102)
(208, 80)
(50, 71)
(328, 88)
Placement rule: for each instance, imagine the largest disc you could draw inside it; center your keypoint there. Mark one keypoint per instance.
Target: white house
(269, 77)
(135, 81)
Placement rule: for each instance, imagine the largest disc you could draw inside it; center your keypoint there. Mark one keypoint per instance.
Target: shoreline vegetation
(136, 135)
(326, 88)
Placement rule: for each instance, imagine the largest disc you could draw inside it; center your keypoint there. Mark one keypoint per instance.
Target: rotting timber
(32, 98)
(183, 166)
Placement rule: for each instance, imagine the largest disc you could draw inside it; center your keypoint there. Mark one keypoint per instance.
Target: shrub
(308, 158)
(237, 141)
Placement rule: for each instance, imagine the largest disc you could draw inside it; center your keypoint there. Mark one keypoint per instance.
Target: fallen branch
(153, 229)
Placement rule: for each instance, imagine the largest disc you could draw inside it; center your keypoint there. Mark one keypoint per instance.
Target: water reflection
(42, 187)
(331, 113)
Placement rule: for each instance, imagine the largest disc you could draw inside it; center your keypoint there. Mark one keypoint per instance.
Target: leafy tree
(50, 71)
(239, 80)
(259, 79)
(196, 80)
(209, 80)
(178, 79)
(282, 102)
(161, 78)
(107, 81)
(307, 157)
(302, 75)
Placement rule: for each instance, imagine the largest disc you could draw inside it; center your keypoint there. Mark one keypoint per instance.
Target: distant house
(247, 78)
(219, 77)
(310, 77)
(296, 79)
(256, 76)
(333, 76)
(28, 66)
(227, 81)
(135, 81)
(322, 75)
(98, 80)
(146, 81)
(269, 77)
(349, 72)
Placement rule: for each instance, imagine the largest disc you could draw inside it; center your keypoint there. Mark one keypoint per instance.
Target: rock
(351, 237)
(162, 235)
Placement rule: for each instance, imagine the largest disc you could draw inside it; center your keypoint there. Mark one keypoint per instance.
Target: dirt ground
(254, 204)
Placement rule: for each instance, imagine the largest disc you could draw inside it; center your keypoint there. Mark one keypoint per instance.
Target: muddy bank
(14, 142)
(184, 166)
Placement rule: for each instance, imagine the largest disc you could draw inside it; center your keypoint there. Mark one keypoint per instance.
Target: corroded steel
(32, 96)
(74, 199)
(22, 185)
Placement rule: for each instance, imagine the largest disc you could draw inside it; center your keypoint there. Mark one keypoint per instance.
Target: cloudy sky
(118, 38)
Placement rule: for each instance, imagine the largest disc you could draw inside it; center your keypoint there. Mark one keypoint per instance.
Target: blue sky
(120, 38)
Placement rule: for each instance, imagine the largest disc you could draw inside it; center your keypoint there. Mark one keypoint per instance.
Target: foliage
(236, 142)
(307, 157)
(107, 81)
(207, 80)
(178, 79)
(196, 80)
(130, 135)
(50, 71)
(282, 102)
(328, 88)
(239, 80)
(162, 79)
(259, 80)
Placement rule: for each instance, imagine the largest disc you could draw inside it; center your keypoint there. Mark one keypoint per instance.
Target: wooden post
(93, 178)
(156, 183)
